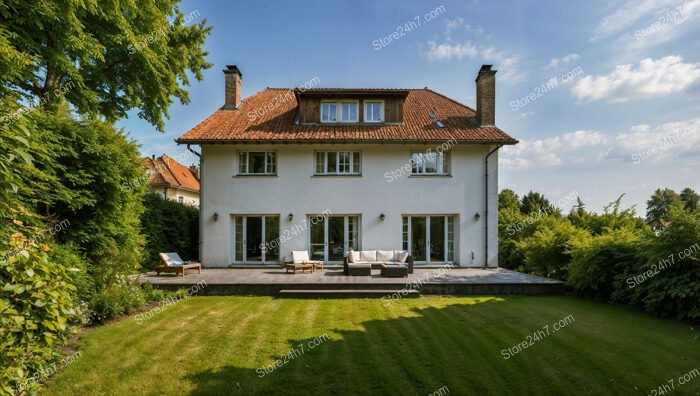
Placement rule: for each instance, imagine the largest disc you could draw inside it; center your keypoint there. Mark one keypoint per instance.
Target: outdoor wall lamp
(290, 217)
(477, 216)
(382, 217)
(216, 216)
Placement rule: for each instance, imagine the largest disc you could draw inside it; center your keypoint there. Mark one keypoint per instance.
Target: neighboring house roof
(166, 172)
(269, 117)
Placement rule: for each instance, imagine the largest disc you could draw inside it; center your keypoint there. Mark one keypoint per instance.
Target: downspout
(486, 205)
(201, 190)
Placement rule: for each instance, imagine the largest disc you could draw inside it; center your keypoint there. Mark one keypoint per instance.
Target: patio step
(346, 293)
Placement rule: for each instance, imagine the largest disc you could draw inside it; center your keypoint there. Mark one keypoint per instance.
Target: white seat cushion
(172, 259)
(385, 255)
(300, 256)
(368, 256)
(400, 256)
(353, 256)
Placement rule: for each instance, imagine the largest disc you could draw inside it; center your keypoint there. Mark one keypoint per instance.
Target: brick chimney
(233, 87)
(486, 96)
(195, 169)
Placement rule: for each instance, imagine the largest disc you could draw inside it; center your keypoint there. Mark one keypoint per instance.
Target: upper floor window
(374, 111)
(342, 111)
(257, 163)
(348, 112)
(337, 163)
(329, 112)
(430, 163)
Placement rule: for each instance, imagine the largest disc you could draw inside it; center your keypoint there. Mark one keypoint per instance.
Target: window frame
(269, 167)
(382, 111)
(329, 102)
(353, 164)
(340, 111)
(444, 164)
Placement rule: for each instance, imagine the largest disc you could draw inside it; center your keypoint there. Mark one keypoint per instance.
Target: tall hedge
(169, 226)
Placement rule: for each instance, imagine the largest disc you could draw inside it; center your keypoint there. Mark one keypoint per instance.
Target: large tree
(508, 199)
(690, 199)
(534, 202)
(661, 201)
(102, 57)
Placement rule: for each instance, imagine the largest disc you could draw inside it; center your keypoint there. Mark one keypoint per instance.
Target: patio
(331, 282)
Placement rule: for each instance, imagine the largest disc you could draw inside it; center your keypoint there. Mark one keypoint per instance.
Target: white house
(329, 170)
(172, 180)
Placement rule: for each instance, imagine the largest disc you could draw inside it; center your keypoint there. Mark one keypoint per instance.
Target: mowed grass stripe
(373, 348)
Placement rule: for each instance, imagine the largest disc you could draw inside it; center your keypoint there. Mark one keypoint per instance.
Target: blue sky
(616, 85)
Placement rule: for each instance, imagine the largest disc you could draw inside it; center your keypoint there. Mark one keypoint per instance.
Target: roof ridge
(167, 165)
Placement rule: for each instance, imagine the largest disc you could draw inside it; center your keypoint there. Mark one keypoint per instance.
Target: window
(374, 111)
(329, 112)
(430, 163)
(255, 239)
(343, 111)
(348, 112)
(337, 163)
(331, 237)
(257, 163)
(429, 239)
(181, 199)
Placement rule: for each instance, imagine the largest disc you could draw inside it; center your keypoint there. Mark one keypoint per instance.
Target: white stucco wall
(295, 190)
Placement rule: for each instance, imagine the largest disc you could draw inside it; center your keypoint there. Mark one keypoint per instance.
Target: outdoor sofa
(392, 263)
(173, 263)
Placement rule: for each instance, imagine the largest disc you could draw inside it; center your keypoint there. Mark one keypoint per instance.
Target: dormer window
(329, 112)
(348, 112)
(374, 111)
(340, 111)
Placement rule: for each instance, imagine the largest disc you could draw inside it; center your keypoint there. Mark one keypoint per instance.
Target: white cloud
(673, 139)
(449, 51)
(555, 62)
(628, 14)
(651, 79)
(550, 152)
(457, 24)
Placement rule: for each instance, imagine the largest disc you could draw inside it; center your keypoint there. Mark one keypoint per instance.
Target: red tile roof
(277, 107)
(169, 173)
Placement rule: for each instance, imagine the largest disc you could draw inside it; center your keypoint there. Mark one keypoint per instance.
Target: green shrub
(546, 250)
(124, 296)
(673, 257)
(36, 305)
(153, 294)
(600, 263)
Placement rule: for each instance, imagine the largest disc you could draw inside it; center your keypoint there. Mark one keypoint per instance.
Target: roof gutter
(201, 202)
(341, 141)
(486, 205)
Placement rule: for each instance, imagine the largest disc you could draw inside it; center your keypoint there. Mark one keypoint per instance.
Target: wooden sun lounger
(173, 263)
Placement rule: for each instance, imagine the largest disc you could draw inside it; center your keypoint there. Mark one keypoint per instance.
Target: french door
(429, 239)
(332, 236)
(256, 239)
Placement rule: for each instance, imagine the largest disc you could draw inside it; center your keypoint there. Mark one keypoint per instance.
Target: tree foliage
(690, 199)
(534, 202)
(660, 203)
(102, 57)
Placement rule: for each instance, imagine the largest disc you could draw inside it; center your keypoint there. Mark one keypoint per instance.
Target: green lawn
(216, 346)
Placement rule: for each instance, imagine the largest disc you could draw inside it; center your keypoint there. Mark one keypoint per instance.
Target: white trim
(335, 102)
(364, 112)
(351, 164)
(247, 162)
(357, 111)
